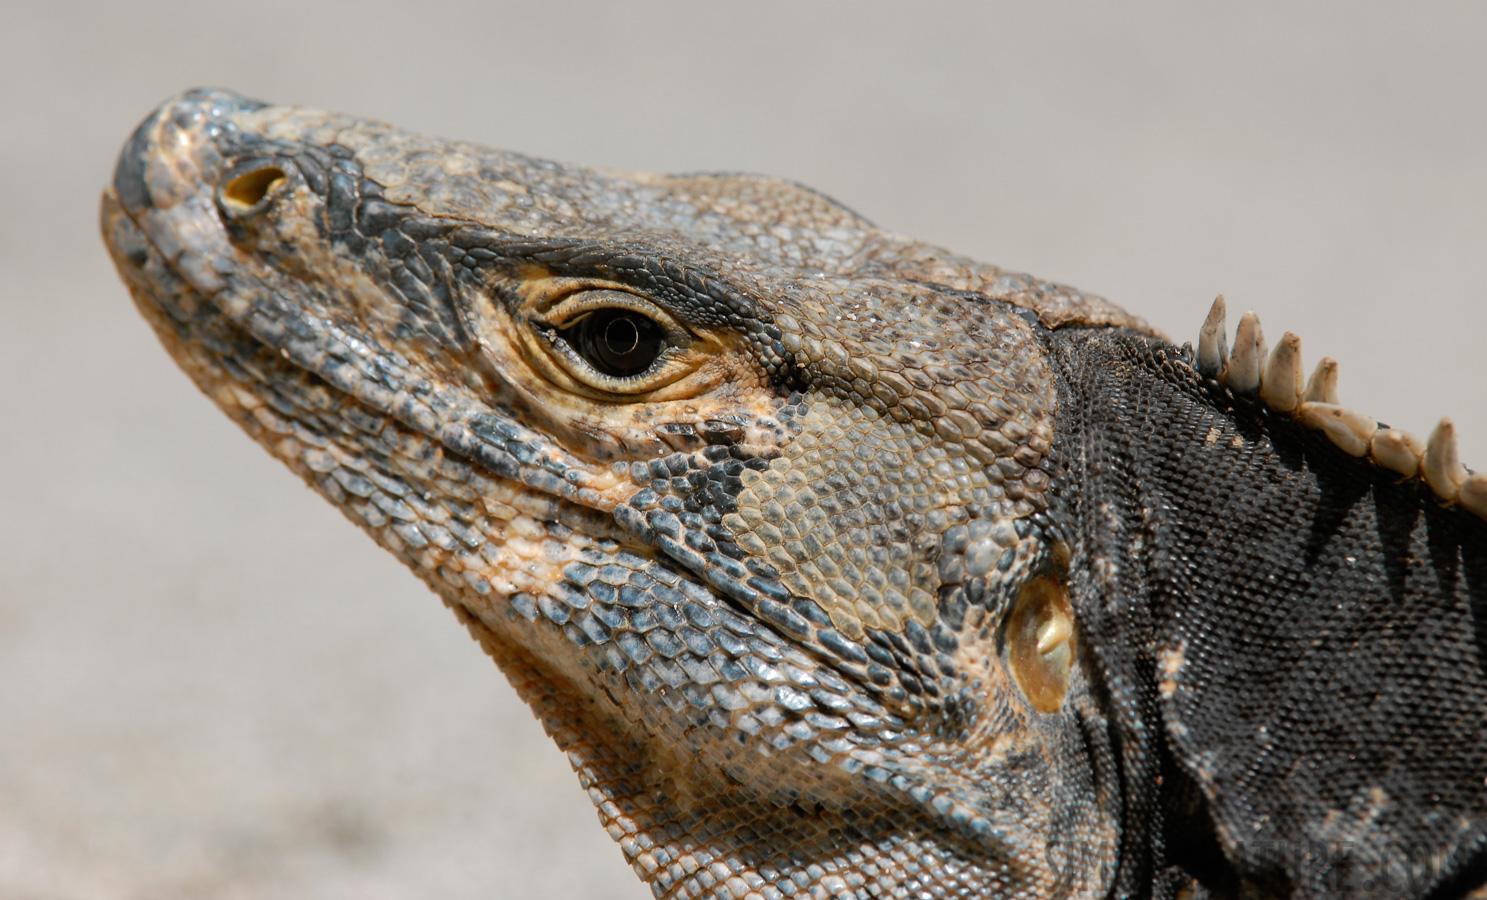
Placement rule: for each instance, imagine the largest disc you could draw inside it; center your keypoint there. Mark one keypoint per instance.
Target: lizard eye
(615, 342)
(618, 342)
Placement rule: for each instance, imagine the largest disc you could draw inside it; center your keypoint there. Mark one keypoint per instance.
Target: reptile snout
(149, 167)
(164, 194)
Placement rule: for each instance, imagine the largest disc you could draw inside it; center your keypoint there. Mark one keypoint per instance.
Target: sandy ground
(211, 686)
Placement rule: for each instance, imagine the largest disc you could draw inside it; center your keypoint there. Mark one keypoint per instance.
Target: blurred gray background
(212, 686)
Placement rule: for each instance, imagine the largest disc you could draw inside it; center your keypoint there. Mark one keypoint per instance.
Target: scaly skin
(881, 573)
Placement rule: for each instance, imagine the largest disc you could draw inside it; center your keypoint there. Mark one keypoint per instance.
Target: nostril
(247, 190)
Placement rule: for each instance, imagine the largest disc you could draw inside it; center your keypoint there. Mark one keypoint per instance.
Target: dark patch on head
(129, 171)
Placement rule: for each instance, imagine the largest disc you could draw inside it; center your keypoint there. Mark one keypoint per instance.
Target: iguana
(840, 565)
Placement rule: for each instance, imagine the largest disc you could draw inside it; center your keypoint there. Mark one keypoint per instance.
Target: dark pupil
(617, 342)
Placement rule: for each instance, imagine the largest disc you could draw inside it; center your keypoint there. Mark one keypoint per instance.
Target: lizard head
(757, 505)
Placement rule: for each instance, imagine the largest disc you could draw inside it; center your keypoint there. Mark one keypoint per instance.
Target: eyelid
(569, 309)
